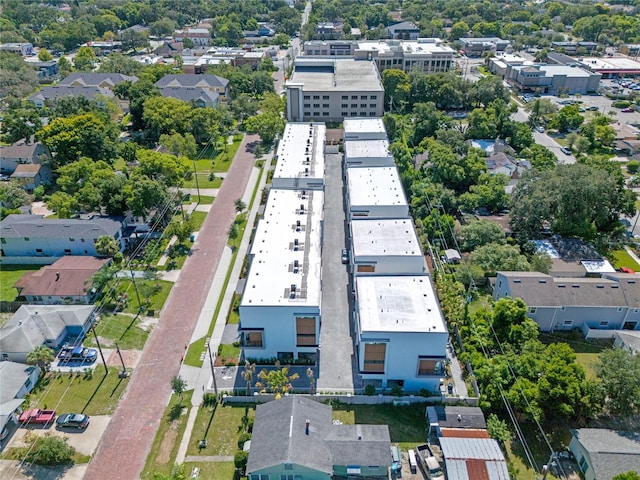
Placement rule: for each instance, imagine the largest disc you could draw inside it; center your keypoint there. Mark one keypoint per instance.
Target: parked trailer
(429, 463)
(413, 464)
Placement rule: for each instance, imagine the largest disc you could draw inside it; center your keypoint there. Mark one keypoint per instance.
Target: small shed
(451, 255)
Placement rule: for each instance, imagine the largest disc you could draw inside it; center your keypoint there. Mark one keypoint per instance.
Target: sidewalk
(200, 378)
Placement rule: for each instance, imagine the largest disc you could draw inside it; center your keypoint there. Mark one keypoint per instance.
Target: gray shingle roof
(279, 437)
(95, 79)
(446, 416)
(403, 26)
(611, 452)
(36, 226)
(191, 81)
(57, 91)
(12, 378)
(190, 94)
(21, 149)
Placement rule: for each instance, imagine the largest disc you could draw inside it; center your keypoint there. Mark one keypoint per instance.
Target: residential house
(330, 90)
(452, 421)
(47, 71)
(67, 281)
(280, 311)
(296, 437)
(35, 325)
(601, 305)
(199, 36)
(169, 49)
(401, 335)
(404, 31)
(473, 458)
(375, 192)
(572, 257)
(300, 157)
(22, 152)
(17, 380)
(24, 49)
(47, 95)
(326, 30)
(91, 79)
(29, 176)
(385, 247)
(602, 454)
(626, 340)
(212, 83)
(201, 97)
(500, 163)
(34, 236)
(475, 47)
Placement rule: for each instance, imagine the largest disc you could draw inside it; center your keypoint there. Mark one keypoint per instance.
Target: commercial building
(280, 307)
(612, 67)
(375, 193)
(367, 153)
(300, 157)
(554, 79)
(404, 30)
(364, 129)
(588, 304)
(401, 335)
(329, 90)
(475, 47)
(428, 55)
(385, 247)
(573, 48)
(23, 49)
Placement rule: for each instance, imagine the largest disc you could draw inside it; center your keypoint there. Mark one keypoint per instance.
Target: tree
(44, 55)
(180, 145)
(145, 194)
(166, 116)
(118, 63)
(182, 229)
(494, 257)
(178, 385)
(163, 167)
(106, 246)
(276, 381)
(12, 196)
(312, 381)
(396, 88)
(540, 157)
(477, 234)
(630, 475)
(42, 356)
(498, 429)
(49, 449)
(268, 125)
(489, 193)
(85, 59)
(18, 78)
(20, 123)
(248, 373)
(240, 205)
(619, 373)
(63, 204)
(177, 473)
(233, 232)
(568, 118)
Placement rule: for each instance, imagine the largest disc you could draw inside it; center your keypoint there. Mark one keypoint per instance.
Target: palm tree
(276, 381)
(312, 380)
(247, 374)
(41, 356)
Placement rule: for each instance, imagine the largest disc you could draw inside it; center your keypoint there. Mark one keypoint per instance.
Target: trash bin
(450, 388)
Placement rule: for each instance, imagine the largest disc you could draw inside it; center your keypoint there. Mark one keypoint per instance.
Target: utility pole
(123, 373)
(213, 372)
(104, 362)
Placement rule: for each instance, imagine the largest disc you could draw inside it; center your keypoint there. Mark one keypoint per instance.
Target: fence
(358, 399)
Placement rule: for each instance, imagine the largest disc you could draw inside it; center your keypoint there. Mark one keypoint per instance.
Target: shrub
(245, 436)
(50, 450)
(633, 166)
(369, 390)
(620, 104)
(240, 459)
(396, 391)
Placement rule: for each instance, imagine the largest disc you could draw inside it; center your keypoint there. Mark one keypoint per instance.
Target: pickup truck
(81, 353)
(37, 416)
(429, 463)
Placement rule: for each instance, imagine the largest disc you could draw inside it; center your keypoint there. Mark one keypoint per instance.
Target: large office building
(475, 47)
(554, 79)
(375, 193)
(280, 306)
(300, 157)
(428, 55)
(400, 331)
(330, 90)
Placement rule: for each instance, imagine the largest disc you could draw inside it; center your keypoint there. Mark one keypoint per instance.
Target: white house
(375, 192)
(386, 247)
(17, 380)
(558, 303)
(34, 236)
(368, 153)
(364, 129)
(280, 306)
(300, 157)
(401, 335)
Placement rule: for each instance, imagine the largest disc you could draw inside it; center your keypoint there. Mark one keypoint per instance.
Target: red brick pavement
(127, 441)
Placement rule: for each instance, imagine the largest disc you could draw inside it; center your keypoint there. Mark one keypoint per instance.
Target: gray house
(202, 97)
(34, 236)
(90, 79)
(22, 153)
(35, 325)
(17, 379)
(295, 437)
(556, 303)
(213, 83)
(48, 95)
(602, 454)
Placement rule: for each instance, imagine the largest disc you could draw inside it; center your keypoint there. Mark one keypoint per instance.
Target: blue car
(74, 354)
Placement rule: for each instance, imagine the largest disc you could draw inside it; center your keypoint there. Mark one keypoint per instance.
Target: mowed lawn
(9, 275)
(97, 394)
(221, 428)
(620, 258)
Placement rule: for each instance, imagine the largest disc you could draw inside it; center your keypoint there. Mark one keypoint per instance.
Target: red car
(627, 110)
(37, 416)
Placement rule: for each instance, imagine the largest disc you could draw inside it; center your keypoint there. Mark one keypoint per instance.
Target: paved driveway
(128, 438)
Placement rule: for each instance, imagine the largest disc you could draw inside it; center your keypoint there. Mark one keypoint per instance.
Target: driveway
(543, 139)
(128, 438)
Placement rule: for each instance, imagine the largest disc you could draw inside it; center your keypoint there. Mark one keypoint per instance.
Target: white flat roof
(301, 151)
(574, 72)
(611, 63)
(375, 186)
(398, 304)
(366, 149)
(274, 251)
(394, 237)
(354, 126)
(343, 74)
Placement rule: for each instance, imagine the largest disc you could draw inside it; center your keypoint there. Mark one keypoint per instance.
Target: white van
(413, 464)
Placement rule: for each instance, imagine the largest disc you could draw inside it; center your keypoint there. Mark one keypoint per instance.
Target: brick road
(127, 441)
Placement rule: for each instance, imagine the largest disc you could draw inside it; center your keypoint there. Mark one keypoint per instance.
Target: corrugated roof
(36, 226)
(473, 459)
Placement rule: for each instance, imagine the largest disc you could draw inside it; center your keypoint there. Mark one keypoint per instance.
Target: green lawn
(192, 357)
(406, 423)
(167, 441)
(588, 362)
(210, 161)
(621, 258)
(96, 395)
(120, 329)
(586, 350)
(202, 200)
(10, 274)
(221, 431)
(228, 354)
(203, 182)
(145, 287)
(213, 470)
(198, 219)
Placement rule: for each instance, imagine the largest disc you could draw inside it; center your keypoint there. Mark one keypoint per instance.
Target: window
(82, 240)
(372, 105)
(363, 97)
(260, 477)
(325, 105)
(38, 250)
(344, 105)
(604, 324)
(325, 97)
(306, 331)
(316, 97)
(363, 114)
(366, 268)
(71, 239)
(363, 105)
(316, 105)
(307, 105)
(430, 366)
(306, 97)
(354, 105)
(567, 323)
(372, 114)
(252, 338)
(532, 310)
(584, 466)
(373, 97)
(307, 114)
(316, 114)
(288, 466)
(344, 114)
(354, 97)
(67, 251)
(26, 239)
(325, 114)
(345, 97)
(286, 477)
(374, 355)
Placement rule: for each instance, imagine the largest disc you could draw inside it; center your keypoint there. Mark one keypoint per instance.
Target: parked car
(345, 255)
(72, 420)
(565, 150)
(540, 128)
(37, 416)
(627, 110)
(592, 108)
(83, 354)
